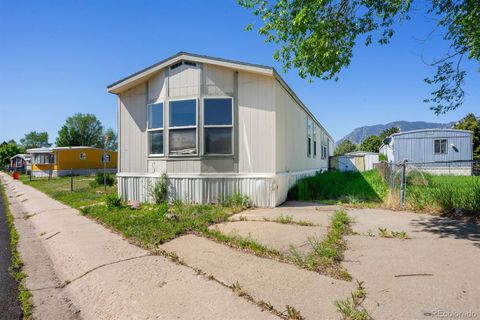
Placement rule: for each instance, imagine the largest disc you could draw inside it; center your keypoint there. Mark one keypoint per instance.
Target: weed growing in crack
(352, 308)
(384, 233)
(284, 219)
(293, 314)
(326, 255)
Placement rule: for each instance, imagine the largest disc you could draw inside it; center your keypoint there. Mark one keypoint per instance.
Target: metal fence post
(403, 184)
(71, 179)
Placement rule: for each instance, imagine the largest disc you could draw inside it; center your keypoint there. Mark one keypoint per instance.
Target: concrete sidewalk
(103, 276)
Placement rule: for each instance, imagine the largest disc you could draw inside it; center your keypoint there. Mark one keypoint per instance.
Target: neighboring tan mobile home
(438, 151)
(216, 127)
(61, 161)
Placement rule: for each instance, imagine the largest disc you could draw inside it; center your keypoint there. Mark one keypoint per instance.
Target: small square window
(83, 156)
(440, 146)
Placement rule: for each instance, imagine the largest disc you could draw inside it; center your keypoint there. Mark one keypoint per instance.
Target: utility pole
(105, 163)
(404, 184)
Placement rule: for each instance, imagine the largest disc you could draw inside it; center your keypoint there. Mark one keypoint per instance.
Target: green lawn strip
(59, 189)
(16, 267)
(154, 224)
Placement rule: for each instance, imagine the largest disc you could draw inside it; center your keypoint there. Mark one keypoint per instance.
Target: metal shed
(438, 151)
(354, 161)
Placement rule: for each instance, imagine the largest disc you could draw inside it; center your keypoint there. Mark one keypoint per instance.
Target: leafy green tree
(81, 130)
(472, 123)
(35, 139)
(8, 150)
(345, 146)
(370, 144)
(318, 37)
(388, 132)
(112, 139)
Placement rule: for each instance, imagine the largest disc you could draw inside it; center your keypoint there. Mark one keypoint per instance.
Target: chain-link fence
(404, 177)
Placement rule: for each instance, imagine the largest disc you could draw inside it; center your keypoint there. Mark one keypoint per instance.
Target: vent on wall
(187, 63)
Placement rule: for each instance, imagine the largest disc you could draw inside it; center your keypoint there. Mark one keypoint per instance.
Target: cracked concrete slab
(299, 211)
(119, 287)
(274, 235)
(266, 280)
(410, 279)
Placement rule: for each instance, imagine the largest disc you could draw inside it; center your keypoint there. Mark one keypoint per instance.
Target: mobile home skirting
(63, 173)
(262, 190)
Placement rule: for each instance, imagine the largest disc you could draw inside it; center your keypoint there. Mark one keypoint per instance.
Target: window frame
(82, 155)
(51, 154)
(440, 146)
(314, 134)
(170, 128)
(155, 129)
(309, 136)
(217, 126)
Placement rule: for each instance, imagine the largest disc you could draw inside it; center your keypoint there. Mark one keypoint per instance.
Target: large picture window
(155, 128)
(43, 158)
(440, 146)
(218, 126)
(183, 127)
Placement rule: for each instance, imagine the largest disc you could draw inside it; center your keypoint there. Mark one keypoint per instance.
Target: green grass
(326, 255)
(425, 192)
(154, 224)
(59, 189)
(15, 269)
(352, 308)
(344, 187)
(448, 194)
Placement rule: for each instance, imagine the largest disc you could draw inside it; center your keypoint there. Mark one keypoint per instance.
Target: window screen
(155, 139)
(183, 141)
(218, 126)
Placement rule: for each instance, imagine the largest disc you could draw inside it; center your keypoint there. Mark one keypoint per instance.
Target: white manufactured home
(216, 127)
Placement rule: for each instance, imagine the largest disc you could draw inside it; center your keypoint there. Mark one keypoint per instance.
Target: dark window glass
(440, 146)
(156, 142)
(218, 140)
(183, 113)
(183, 141)
(314, 148)
(309, 146)
(217, 111)
(155, 116)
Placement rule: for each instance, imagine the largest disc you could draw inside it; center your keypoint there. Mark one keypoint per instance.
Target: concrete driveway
(78, 269)
(434, 274)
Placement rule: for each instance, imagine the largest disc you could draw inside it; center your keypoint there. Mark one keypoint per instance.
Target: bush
(235, 200)
(113, 201)
(98, 181)
(159, 190)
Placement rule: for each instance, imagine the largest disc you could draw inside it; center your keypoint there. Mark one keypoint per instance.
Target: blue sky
(57, 57)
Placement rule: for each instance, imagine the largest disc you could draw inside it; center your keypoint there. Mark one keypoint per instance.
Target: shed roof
(142, 75)
(430, 130)
(21, 155)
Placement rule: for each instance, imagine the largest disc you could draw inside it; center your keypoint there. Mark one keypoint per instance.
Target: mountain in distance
(359, 134)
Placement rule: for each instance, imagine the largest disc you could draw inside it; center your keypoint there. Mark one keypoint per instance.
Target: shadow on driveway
(450, 228)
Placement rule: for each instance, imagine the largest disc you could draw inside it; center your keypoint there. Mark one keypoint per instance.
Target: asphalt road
(9, 304)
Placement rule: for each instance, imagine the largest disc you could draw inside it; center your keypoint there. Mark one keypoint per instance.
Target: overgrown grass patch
(154, 224)
(344, 187)
(59, 189)
(447, 194)
(15, 268)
